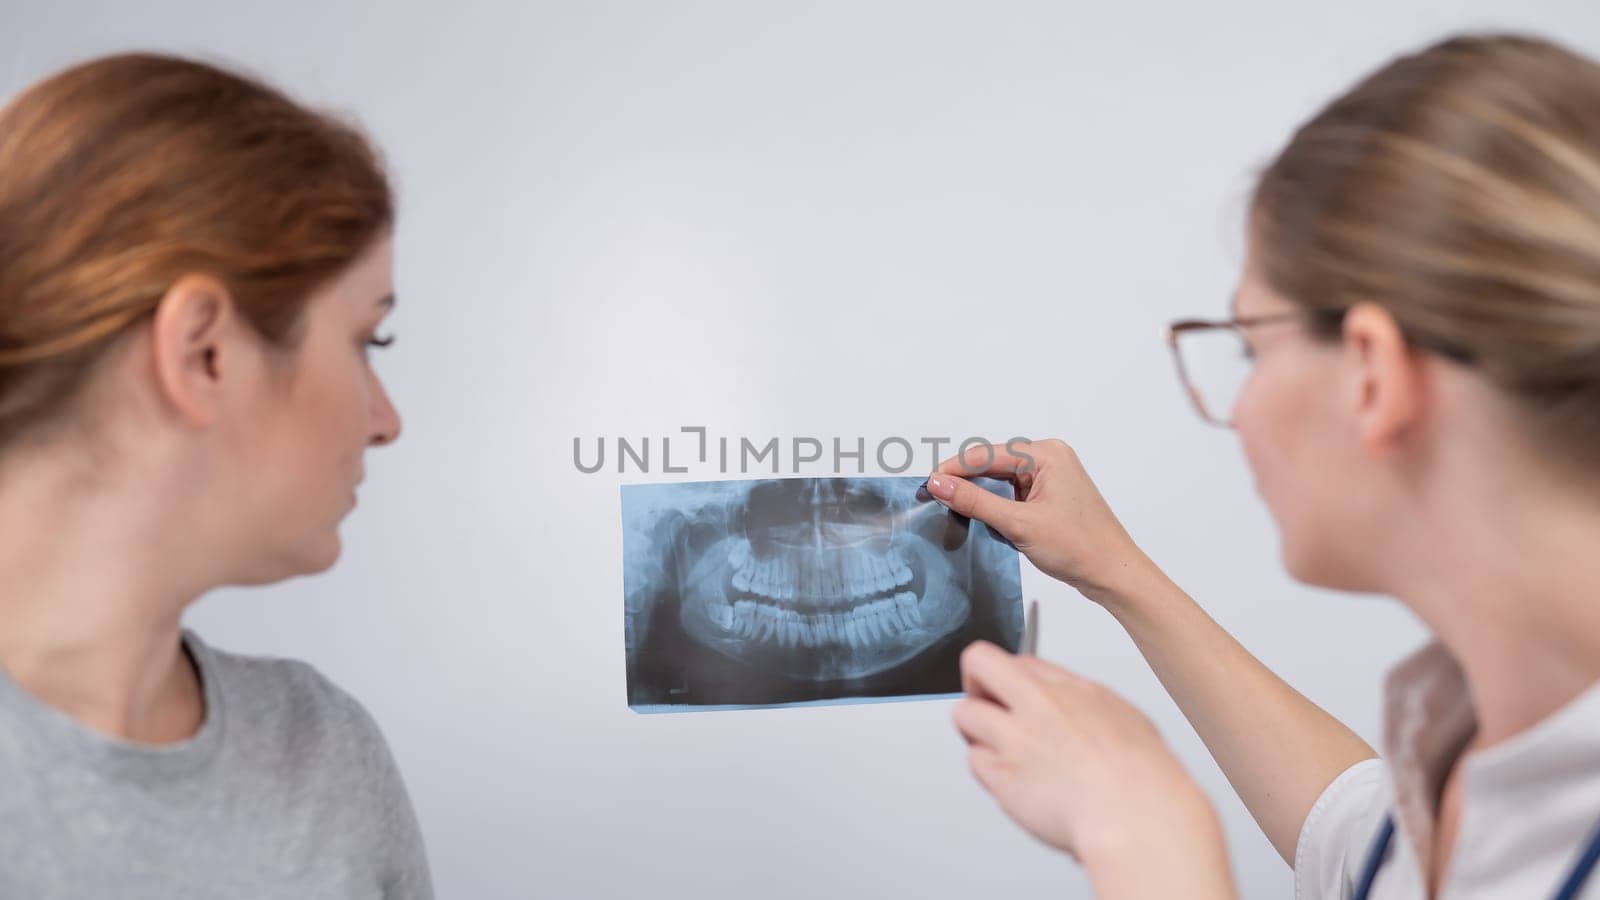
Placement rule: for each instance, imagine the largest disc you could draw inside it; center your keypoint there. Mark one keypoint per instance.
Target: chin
(324, 554)
(1320, 569)
(314, 555)
(1299, 568)
(290, 560)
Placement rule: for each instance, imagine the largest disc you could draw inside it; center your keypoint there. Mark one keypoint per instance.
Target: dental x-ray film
(796, 591)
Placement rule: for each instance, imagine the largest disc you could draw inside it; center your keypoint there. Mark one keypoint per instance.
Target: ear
(1389, 376)
(186, 337)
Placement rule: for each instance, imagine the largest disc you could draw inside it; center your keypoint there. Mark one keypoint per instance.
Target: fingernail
(941, 487)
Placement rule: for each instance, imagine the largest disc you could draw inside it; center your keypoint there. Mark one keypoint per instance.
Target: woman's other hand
(1086, 772)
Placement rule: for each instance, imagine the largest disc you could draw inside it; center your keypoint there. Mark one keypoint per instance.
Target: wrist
(1127, 584)
(1181, 854)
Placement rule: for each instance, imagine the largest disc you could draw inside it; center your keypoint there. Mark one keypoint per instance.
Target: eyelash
(380, 342)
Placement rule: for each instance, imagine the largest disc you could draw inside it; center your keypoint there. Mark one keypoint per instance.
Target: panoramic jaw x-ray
(806, 590)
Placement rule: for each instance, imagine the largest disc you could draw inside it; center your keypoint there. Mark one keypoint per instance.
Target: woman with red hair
(192, 271)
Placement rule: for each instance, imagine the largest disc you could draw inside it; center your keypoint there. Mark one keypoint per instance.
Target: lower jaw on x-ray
(806, 590)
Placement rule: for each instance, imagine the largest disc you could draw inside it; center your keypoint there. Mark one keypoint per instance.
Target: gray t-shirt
(288, 790)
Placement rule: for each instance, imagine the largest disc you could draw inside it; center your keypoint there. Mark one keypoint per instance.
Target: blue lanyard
(1380, 847)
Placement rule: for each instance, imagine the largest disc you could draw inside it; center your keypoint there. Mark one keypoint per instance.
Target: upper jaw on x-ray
(821, 579)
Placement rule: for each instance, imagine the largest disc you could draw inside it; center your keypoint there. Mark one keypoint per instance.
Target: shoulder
(301, 736)
(289, 707)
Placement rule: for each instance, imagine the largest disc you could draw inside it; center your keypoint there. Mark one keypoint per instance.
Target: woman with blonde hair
(192, 270)
(1413, 368)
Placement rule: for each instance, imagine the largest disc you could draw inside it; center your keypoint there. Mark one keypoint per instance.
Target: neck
(91, 600)
(1506, 575)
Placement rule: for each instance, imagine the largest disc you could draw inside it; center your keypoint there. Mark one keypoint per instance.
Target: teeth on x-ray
(811, 581)
(856, 626)
(848, 597)
(820, 579)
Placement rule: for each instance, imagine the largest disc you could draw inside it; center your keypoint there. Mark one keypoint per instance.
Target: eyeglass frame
(1237, 324)
(1328, 315)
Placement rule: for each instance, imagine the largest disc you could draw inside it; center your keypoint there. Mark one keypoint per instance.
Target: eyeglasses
(1214, 359)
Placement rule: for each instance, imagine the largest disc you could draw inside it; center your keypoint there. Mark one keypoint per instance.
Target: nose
(385, 418)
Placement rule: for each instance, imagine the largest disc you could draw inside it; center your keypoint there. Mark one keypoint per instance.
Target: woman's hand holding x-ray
(1086, 772)
(1059, 519)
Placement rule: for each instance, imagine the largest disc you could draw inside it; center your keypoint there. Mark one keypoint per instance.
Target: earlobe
(186, 339)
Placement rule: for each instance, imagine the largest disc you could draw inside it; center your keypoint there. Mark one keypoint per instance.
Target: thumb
(966, 498)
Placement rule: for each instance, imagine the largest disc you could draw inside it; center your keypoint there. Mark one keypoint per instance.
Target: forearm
(1278, 749)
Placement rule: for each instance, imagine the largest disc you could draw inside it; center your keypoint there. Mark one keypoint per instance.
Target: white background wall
(830, 219)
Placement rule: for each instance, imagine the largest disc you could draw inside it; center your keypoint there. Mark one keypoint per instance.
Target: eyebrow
(387, 300)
